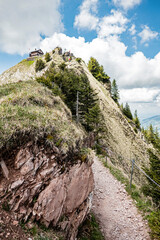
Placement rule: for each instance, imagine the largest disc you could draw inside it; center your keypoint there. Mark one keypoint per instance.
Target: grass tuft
(90, 230)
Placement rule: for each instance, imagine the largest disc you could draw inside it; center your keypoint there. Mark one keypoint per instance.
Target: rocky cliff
(47, 186)
(44, 174)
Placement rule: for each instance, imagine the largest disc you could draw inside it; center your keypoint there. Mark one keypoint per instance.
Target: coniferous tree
(66, 83)
(94, 120)
(151, 135)
(114, 91)
(97, 71)
(136, 120)
(127, 111)
(47, 57)
(39, 65)
(154, 172)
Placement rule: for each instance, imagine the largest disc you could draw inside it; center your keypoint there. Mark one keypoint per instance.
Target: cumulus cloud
(147, 34)
(140, 95)
(87, 16)
(145, 100)
(132, 29)
(113, 24)
(126, 4)
(22, 23)
(135, 71)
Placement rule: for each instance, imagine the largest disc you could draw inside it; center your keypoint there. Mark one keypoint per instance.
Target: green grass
(27, 63)
(32, 108)
(90, 230)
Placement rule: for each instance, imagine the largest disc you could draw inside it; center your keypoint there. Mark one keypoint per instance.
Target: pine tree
(87, 99)
(136, 120)
(97, 71)
(47, 57)
(154, 172)
(39, 65)
(151, 135)
(127, 111)
(114, 91)
(94, 120)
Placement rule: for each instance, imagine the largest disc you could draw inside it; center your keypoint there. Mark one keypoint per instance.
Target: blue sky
(124, 36)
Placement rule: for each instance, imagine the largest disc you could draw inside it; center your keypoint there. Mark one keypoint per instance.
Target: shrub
(78, 60)
(154, 223)
(47, 57)
(39, 65)
(53, 51)
(62, 66)
(52, 65)
(45, 82)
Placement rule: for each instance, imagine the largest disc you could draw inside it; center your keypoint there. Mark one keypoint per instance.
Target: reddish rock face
(41, 189)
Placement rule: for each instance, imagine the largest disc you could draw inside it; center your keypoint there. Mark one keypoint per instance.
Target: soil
(10, 228)
(118, 217)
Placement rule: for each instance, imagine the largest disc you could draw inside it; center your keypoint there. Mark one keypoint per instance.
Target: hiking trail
(114, 209)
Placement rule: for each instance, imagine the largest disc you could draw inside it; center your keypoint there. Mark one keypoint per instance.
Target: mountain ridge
(154, 120)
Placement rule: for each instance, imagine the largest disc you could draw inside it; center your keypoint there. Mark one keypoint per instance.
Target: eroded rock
(17, 184)
(56, 194)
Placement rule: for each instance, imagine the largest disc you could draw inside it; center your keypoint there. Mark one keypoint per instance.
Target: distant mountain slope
(155, 121)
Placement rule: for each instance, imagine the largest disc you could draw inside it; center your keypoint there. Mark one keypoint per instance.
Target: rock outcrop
(45, 186)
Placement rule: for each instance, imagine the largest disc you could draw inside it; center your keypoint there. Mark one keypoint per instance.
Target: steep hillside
(45, 174)
(122, 142)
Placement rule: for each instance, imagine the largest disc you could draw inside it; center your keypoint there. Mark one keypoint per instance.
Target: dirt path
(118, 217)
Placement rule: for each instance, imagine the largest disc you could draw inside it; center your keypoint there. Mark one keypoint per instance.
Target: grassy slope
(120, 135)
(28, 106)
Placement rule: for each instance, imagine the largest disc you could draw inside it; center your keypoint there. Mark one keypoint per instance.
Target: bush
(154, 223)
(53, 51)
(52, 65)
(39, 65)
(47, 57)
(78, 60)
(90, 229)
(45, 82)
(62, 66)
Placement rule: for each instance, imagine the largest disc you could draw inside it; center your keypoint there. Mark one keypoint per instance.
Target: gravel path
(114, 209)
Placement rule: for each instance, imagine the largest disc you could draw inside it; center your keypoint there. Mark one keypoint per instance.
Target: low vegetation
(39, 65)
(79, 60)
(28, 108)
(47, 57)
(90, 230)
(77, 94)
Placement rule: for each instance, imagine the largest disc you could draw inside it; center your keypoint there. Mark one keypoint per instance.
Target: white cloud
(132, 29)
(135, 42)
(143, 95)
(126, 4)
(113, 24)
(87, 16)
(23, 22)
(135, 71)
(147, 34)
